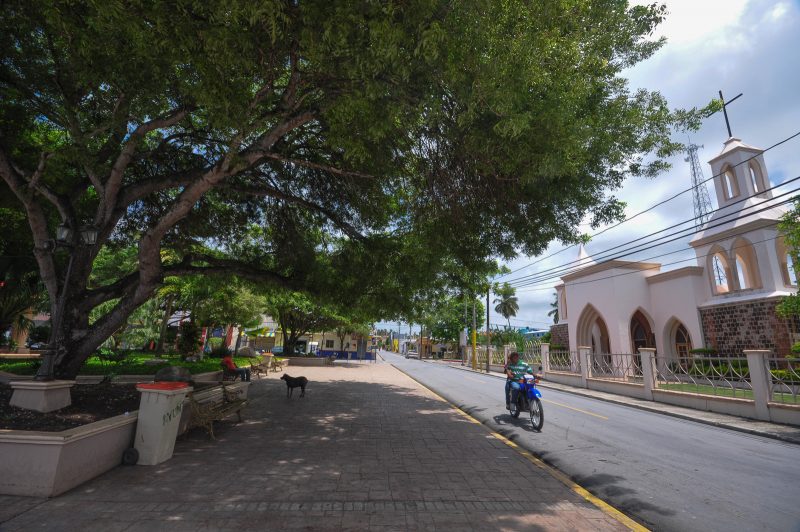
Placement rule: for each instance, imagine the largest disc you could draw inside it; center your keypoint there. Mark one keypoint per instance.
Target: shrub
(189, 339)
(219, 352)
(706, 351)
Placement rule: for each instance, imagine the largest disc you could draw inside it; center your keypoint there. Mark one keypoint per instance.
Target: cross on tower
(725, 110)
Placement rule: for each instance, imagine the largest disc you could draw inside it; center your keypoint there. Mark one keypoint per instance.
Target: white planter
(46, 464)
(307, 361)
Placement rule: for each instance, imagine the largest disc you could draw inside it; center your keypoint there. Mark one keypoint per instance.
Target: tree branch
(114, 182)
(317, 166)
(347, 228)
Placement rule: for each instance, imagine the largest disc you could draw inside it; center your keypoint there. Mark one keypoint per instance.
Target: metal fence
(720, 376)
(625, 367)
(566, 361)
(532, 354)
(785, 380)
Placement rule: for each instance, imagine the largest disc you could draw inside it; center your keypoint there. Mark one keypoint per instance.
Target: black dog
(294, 382)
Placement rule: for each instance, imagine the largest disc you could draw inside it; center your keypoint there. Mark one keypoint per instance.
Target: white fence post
(760, 380)
(584, 356)
(545, 351)
(648, 357)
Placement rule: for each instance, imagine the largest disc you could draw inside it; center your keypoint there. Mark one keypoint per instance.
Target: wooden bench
(258, 369)
(228, 375)
(205, 414)
(275, 364)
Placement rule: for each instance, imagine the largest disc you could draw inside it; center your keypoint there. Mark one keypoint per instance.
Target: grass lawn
(723, 392)
(133, 365)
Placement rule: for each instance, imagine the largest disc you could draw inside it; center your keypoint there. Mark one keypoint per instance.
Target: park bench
(275, 364)
(205, 414)
(258, 369)
(228, 375)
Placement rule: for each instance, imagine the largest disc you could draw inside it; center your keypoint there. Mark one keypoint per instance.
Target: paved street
(671, 474)
(366, 449)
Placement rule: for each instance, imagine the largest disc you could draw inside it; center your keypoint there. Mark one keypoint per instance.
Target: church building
(726, 302)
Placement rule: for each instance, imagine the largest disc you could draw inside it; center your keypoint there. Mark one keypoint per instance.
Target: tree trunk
(164, 323)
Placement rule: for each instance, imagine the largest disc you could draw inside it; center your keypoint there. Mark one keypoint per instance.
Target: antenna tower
(702, 201)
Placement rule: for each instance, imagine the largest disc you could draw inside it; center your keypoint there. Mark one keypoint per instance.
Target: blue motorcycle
(529, 399)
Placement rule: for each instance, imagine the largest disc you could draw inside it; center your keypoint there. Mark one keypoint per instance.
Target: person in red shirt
(244, 373)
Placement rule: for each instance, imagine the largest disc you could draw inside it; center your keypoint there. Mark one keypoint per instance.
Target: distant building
(531, 333)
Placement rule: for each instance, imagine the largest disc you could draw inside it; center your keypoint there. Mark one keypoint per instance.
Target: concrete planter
(307, 361)
(46, 464)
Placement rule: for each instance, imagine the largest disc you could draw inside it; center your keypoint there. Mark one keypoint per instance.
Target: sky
(737, 46)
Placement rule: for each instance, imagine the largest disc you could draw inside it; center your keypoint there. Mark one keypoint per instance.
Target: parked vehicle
(529, 399)
(412, 354)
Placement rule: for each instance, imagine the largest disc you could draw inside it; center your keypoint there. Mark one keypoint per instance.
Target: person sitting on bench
(244, 373)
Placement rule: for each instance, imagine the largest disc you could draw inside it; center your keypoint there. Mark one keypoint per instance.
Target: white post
(760, 380)
(545, 351)
(649, 374)
(584, 356)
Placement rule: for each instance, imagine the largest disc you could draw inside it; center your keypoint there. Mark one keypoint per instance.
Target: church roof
(726, 221)
(734, 143)
(584, 259)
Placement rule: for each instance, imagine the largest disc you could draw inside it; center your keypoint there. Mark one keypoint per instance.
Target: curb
(621, 402)
(600, 504)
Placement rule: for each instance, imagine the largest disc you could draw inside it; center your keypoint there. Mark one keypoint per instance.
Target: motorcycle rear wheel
(537, 414)
(515, 409)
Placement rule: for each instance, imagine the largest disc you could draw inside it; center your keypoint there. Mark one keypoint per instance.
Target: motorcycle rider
(515, 370)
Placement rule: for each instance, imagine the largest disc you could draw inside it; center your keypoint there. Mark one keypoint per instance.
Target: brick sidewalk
(367, 448)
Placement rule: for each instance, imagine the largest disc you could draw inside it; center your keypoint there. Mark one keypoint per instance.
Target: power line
(532, 282)
(577, 264)
(534, 289)
(787, 139)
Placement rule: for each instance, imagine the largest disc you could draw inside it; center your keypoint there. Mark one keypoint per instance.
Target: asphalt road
(668, 473)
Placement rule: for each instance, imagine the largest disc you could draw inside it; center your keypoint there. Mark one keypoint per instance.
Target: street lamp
(65, 237)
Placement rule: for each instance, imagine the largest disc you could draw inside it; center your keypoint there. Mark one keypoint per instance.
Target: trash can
(160, 411)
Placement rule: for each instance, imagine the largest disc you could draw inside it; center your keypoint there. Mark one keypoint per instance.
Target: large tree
(298, 315)
(351, 133)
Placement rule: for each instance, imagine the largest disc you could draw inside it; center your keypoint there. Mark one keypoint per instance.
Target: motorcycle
(529, 399)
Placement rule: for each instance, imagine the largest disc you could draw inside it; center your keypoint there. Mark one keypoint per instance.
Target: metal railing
(532, 354)
(720, 376)
(566, 361)
(784, 380)
(624, 367)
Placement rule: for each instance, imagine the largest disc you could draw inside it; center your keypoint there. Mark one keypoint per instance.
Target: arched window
(741, 269)
(756, 177)
(719, 273)
(792, 275)
(641, 334)
(746, 264)
(683, 343)
(731, 187)
(786, 263)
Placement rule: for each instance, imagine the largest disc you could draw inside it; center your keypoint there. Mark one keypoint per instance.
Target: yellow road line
(555, 473)
(575, 409)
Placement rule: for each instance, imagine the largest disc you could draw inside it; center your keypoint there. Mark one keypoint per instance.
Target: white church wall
(615, 294)
(677, 298)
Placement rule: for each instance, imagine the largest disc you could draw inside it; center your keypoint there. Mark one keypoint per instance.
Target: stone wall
(732, 328)
(559, 335)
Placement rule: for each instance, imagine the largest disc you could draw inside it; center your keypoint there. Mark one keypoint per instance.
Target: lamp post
(65, 237)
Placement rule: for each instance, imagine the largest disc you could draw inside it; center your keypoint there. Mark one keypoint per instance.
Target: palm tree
(506, 304)
(554, 309)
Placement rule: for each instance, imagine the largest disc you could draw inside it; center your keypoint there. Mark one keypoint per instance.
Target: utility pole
(488, 333)
(474, 339)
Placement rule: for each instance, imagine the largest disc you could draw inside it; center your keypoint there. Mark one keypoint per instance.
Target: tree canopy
(376, 151)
